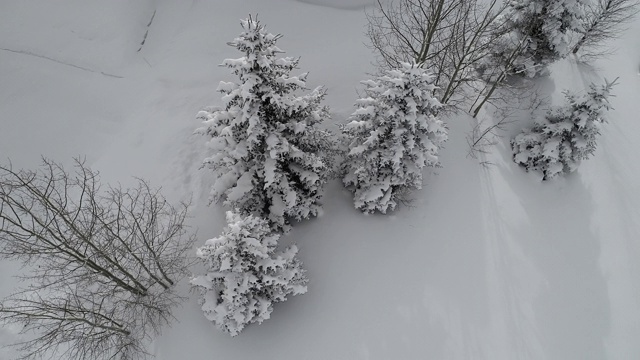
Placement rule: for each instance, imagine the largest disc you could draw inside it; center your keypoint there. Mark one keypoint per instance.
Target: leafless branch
(605, 21)
(507, 103)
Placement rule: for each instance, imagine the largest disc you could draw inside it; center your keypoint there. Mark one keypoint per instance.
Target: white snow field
(487, 263)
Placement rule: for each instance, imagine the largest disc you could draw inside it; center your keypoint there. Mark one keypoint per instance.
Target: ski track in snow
(29, 53)
(146, 33)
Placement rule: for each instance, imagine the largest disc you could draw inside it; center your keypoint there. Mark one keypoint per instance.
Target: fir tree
(392, 135)
(246, 275)
(567, 135)
(269, 156)
(538, 32)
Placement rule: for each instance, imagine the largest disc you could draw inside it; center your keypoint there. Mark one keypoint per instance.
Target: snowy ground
(489, 263)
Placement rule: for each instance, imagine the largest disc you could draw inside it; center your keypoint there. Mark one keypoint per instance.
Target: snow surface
(487, 263)
(341, 4)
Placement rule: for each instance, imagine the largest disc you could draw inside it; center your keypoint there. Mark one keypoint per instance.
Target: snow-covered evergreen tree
(269, 155)
(567, 135)
(538, 32)
(246, 275)
(392, 135)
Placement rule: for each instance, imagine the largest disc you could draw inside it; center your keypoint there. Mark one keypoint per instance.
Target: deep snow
(487, 263)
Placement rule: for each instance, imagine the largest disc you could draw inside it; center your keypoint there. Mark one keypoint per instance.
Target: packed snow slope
(488, 262)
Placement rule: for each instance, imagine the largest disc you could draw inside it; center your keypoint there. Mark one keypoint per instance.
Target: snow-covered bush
(392, 135)
(538, 32)
(268, 154)
(246, 275)
(567, 134)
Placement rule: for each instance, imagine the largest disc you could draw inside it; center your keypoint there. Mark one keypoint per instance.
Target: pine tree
(392, 135)
(246, 275)
(539, 32)
(566, 136)
(269, 155)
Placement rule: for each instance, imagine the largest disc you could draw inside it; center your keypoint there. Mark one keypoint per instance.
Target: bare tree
(605, 21)
(73, 324)
(448, 37)
(103, 264)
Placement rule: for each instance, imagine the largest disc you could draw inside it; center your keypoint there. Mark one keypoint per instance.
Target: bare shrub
(508, 104)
